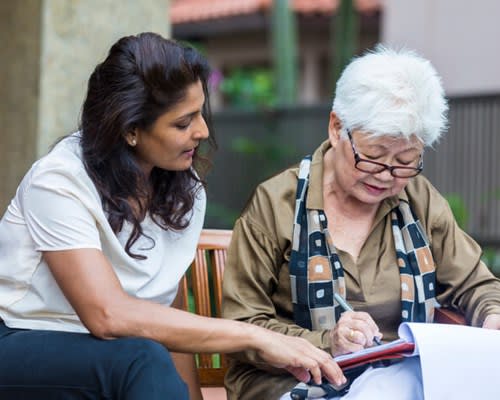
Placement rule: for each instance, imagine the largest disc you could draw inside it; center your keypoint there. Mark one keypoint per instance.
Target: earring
(133, 142)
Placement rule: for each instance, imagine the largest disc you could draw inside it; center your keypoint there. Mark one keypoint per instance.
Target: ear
(334, 129)
(131, 138)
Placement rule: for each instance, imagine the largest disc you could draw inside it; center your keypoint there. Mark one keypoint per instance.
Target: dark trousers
(49, 365)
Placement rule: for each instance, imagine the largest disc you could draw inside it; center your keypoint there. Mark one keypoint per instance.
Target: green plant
(459, 209)
(249, 87)
(224, 216)
(271, 150)
(491, 257)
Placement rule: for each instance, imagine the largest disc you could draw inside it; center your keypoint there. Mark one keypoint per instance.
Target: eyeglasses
(373, 167)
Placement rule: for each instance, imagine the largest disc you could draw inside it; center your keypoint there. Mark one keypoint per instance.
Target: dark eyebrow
(188, 115)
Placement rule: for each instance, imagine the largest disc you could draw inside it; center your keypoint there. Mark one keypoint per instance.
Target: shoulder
(63, 162)
(429, 205)
(62, 173)
(421, 191)
(65, 156)
(270, 211)
(274, 193)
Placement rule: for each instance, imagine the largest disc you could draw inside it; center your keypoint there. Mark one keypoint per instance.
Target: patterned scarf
(316, 271)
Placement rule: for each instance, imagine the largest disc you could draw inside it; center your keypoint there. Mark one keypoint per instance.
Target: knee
(150, 365)
(151, 353)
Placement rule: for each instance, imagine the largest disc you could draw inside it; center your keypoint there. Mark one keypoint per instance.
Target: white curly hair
(391, 92)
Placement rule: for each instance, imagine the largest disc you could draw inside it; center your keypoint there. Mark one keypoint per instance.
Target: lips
(374, 189)
(189, 153)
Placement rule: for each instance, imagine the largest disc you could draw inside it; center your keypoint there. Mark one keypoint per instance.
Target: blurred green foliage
(491, 256)
(270, 150)
(225, 215)
(271, 157)
(249, 88)
(459, 209)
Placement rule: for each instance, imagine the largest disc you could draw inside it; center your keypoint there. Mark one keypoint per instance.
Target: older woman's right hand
(354, 331)
(299, 357)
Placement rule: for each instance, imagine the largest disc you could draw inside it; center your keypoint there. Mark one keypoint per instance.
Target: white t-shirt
(57, 207)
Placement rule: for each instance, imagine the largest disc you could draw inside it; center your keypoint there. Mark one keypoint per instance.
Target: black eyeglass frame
(392, 169)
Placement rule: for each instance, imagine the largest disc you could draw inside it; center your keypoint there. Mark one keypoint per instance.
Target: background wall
(460, 37)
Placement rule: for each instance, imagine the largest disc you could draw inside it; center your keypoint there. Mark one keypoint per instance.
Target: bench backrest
(202, 290)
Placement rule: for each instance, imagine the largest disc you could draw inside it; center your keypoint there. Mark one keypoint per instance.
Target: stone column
(19, 80)
(49, 49)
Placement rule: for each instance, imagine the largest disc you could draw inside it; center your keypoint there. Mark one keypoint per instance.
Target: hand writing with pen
(354, 331)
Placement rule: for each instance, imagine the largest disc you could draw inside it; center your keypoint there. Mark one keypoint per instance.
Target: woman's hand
(299, 357)
(353, 331)
(492, 321)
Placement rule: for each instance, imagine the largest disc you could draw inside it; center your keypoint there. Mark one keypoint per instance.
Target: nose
(201, 129)
(384, 175)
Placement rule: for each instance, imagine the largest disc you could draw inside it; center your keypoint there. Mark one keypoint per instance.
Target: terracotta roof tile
(198, 10)
(183, 11)
(316, 6)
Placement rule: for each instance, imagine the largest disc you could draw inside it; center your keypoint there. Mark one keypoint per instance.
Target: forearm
(96, 294)
(480, 301)
(178, 330)
(318, 338)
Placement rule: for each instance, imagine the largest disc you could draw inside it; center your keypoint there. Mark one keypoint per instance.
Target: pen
(347, 307)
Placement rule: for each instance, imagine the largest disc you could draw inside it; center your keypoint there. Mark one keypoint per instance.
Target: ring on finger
(351, 334)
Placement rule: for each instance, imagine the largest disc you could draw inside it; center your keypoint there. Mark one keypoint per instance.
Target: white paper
(458, 362)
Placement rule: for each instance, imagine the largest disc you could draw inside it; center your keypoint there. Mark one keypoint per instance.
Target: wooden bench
(204, 282)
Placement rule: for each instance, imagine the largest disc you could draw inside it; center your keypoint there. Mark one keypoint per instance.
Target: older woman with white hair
(357, 219)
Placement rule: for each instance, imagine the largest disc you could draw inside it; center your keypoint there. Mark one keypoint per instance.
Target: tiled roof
(183, 11)
(330, 6)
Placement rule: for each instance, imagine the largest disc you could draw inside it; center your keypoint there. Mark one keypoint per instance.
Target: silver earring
(133, 142)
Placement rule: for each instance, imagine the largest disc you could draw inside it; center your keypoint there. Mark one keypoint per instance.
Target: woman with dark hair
(99, 234)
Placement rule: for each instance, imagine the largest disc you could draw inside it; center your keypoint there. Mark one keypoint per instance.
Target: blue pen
(347, 307)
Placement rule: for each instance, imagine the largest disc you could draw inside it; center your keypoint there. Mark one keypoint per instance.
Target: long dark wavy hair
(142, 77)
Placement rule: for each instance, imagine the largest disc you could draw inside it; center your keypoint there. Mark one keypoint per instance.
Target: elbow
(103, 323)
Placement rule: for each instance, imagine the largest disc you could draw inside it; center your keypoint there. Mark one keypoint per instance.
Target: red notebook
(396, 349)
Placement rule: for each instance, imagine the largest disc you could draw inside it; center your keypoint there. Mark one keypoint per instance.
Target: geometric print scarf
(316, 271)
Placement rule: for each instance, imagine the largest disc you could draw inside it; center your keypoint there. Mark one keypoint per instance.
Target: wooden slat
(211, 253)
(211, 376)
(183, 287)
(215, 239)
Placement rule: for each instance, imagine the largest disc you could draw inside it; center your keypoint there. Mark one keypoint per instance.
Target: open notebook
(456, 362)
(459, 362)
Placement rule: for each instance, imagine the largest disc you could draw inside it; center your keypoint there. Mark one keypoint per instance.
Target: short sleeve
(55, 216)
